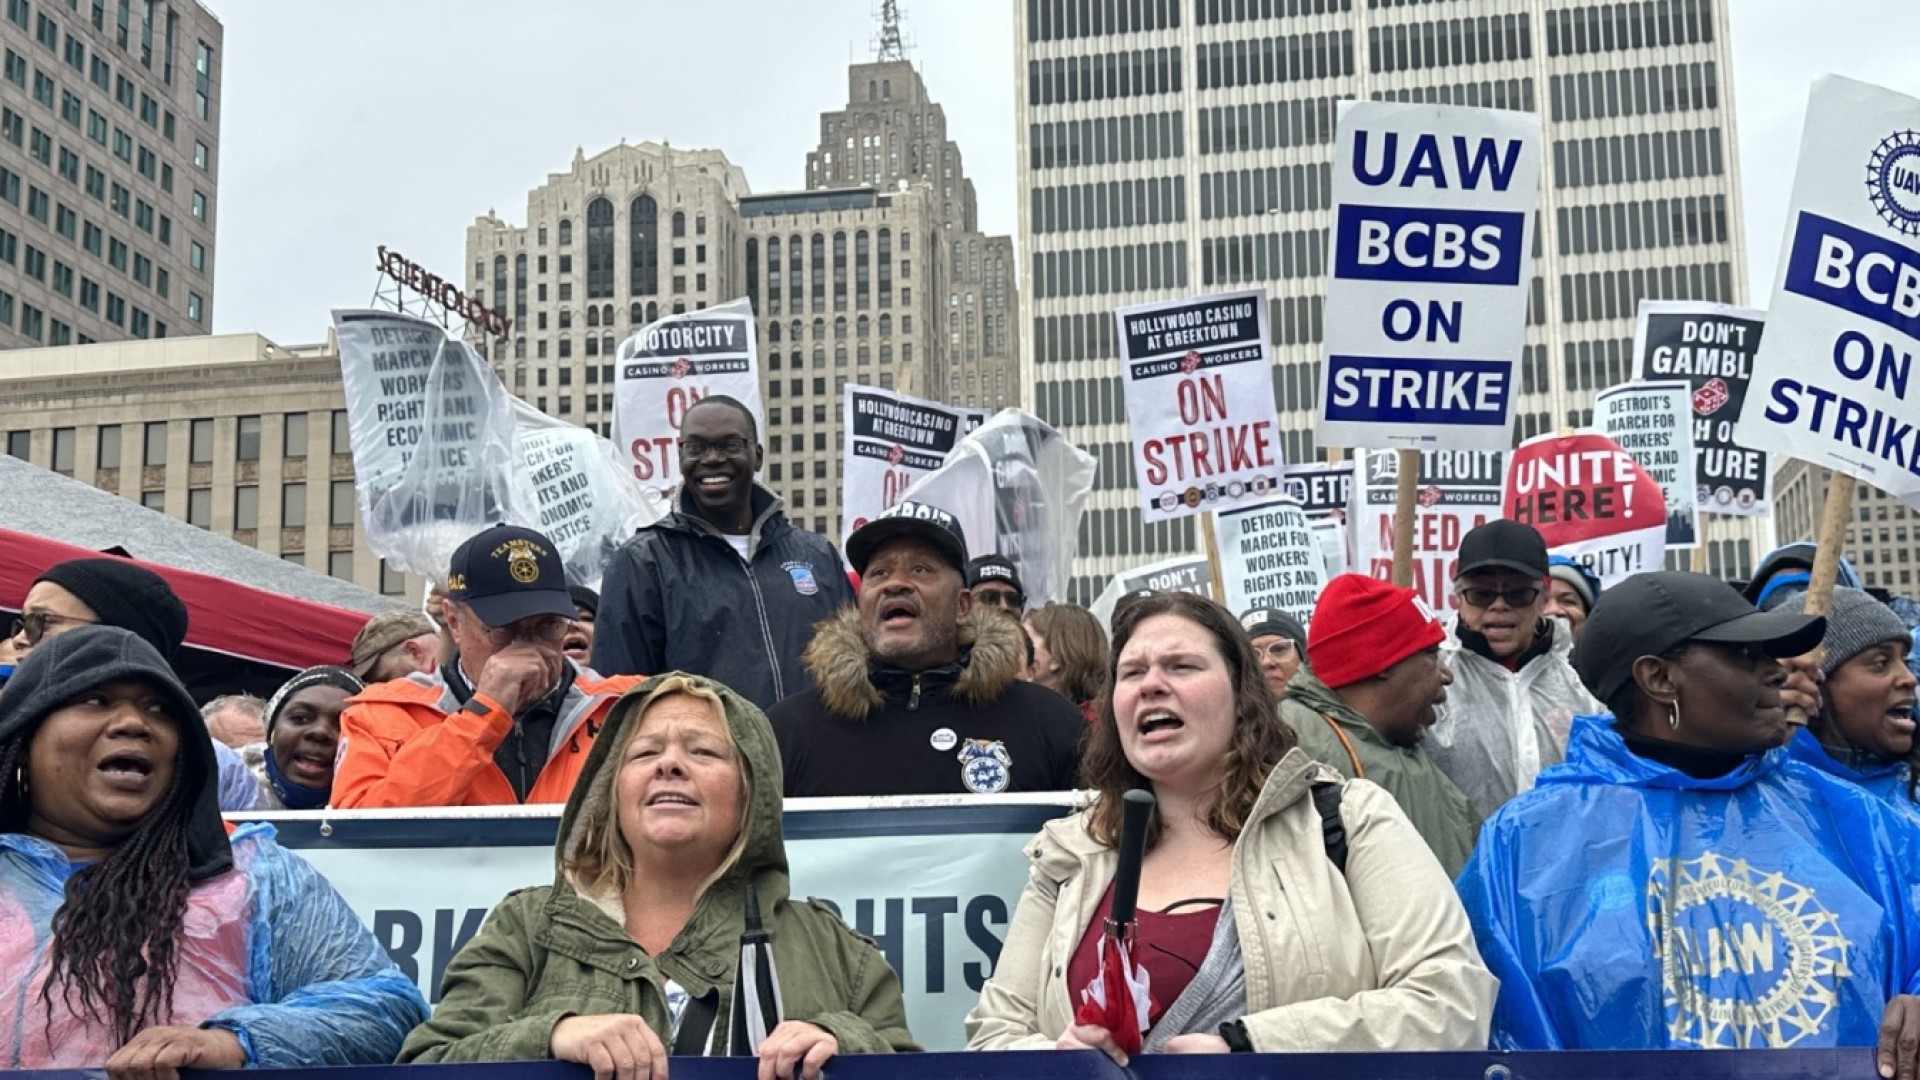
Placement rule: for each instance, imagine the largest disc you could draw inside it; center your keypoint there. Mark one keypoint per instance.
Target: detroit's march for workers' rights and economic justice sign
(1654, 423)
(1834, 381)
(1427, 296)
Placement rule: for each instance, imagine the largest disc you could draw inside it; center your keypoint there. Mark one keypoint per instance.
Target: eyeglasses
(1280, 650)
(997, 598)
(547, 628)
(698, 449)
(33, 625)
(1517, 597)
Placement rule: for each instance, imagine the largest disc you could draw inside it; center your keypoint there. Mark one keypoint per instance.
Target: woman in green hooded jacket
(632, 949)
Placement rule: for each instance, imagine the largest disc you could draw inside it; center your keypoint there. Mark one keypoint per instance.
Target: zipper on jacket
(766, 631)
(913, 699)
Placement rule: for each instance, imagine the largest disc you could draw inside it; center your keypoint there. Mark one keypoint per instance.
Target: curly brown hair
(1260, 737)
(1074, 638)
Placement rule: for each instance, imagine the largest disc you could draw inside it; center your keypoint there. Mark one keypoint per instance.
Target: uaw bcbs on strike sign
(1200, 403)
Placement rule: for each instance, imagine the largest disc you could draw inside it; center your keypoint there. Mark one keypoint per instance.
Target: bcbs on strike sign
(1432, 255)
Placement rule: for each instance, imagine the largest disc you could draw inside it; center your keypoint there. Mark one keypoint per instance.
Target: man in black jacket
(724, 586)
(917, 691)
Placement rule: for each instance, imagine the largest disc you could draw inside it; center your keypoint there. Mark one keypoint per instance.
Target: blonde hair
(599, 860)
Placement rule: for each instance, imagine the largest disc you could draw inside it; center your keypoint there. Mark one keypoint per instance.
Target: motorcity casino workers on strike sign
(1834, 379)
(1200, 403)
(666, 367)
(1427, 296)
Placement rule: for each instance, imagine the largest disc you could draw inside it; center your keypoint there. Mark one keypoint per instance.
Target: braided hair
(114, 934)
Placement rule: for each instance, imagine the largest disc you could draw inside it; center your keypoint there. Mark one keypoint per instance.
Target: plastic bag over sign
(578, 492)
(1018, 489)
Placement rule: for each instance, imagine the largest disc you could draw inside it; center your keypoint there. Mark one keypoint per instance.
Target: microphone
(1136, 808)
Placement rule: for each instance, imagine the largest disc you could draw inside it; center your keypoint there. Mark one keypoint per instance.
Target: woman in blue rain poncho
(1864, 731)
(134, 933)
(1681, 882)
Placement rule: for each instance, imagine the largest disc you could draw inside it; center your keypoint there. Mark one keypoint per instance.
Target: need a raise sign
(1427, 295)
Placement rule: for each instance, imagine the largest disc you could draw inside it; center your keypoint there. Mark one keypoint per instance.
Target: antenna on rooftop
(888, 44)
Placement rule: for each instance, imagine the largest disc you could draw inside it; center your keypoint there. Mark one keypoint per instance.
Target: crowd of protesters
(1563, 817)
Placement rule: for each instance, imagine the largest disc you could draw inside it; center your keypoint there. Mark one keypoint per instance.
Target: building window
(340, 564)
(197, 256)
(65, 443)
(196, 307)
(200, 445)
(342, 434)
(108, 456)
(155, 451)
(342, 509)
(392, 582)
(246, 445)
(293, 436)
(200, 507)
(599, 249)
(154, 500)
(293, 506)
(246, 507)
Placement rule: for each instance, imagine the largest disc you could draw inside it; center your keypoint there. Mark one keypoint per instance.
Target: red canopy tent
(224, 617)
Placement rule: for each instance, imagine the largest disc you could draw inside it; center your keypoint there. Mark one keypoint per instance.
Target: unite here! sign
(1432, 259)
(1834, 380)
(1200, 403)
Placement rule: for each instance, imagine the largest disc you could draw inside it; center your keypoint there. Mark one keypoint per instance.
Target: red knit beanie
(1363, 626)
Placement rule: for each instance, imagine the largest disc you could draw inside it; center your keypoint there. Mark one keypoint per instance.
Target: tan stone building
(109, 161)
(1883, 539)
(231, 433)
(893, 131)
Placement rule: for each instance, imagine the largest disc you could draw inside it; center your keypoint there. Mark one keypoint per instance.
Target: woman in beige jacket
(1253, 937)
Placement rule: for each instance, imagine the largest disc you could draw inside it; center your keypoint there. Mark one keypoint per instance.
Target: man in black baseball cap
(1514, 695)
(917, 691)
(994, 582)
(508, 719)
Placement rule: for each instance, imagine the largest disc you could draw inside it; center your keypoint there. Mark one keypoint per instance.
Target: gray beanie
(1855, 623)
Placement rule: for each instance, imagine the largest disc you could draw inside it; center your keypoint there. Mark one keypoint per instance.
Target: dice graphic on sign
(1710, 397)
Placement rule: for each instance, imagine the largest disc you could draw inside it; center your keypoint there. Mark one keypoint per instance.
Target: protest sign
(1182, 573)
(1654, 423)
(1269, 557)
(1834, 379)
(1427, 295)
(1200, 403)
(1591, 501)
(577, 492)
(1018, 488)
(666, 367)
(385, 358)
(1324, 490)
(932, 880)
(891, 440)
(1456, 490)
(1712, 347)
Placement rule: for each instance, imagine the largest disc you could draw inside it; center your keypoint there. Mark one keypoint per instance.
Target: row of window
(1516, 94)
(1065, 144)
(1115, 204)
(1258, 61)
(806, 264)
(1642, 91)
(863, 355)
(1637, 25)
(1097, 271)
(1627, 159)
(1448, 42)
(1616, 294)
(1597, 365)
(1267, 125)
(1062, 20)
(1103, 76)
(1277, 189)
(1208, 12)
(153, 437)
(48, 92)
(1270, 257)
(1636, 226)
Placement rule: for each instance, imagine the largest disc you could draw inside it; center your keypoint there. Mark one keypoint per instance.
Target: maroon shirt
(1171, 948)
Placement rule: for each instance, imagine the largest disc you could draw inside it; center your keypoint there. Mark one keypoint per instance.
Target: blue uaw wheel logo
(1893, 180)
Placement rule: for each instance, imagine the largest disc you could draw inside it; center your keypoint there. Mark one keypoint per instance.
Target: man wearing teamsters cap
(508, 719)
(916, 690)
(1514, 692)
(1373, 678)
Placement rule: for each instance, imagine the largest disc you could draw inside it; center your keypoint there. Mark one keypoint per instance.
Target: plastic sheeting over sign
(443, 450)
(1018, 489)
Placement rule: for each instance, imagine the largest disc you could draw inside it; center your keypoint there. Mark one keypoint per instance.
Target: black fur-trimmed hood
(843, 668)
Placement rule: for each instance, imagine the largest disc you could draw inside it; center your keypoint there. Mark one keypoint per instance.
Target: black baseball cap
(928, 522)
(998, 568)
(1505, 545)
(1651, 614)
(507, 573)
(1262, 622)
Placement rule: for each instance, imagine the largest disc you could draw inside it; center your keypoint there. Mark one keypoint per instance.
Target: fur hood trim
(838, 659)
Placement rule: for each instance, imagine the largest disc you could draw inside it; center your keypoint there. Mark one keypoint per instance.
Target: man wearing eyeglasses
(508, 719)
(993, 582)
(723, 586)
(1514, 693)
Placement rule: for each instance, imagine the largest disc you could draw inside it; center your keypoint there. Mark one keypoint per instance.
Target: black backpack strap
(696, 1026)
(1333, 831)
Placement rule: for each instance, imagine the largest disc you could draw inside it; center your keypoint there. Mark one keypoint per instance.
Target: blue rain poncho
(1625, 905)
(1884, 779)
(268, 951)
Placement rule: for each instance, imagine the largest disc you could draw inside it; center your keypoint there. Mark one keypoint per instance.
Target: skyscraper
(1173, 147)
(109, 141)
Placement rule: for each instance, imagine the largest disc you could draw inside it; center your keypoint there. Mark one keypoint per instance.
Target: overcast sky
(354, 123)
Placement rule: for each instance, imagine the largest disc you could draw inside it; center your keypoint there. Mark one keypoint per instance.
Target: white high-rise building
(1176, 147)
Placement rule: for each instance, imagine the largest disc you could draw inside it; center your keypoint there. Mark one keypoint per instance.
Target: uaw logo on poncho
(1748, 959)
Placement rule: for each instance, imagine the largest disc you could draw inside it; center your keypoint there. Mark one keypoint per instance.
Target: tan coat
(1380, 959)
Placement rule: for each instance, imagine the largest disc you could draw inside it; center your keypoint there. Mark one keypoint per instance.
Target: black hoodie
(63, 666)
